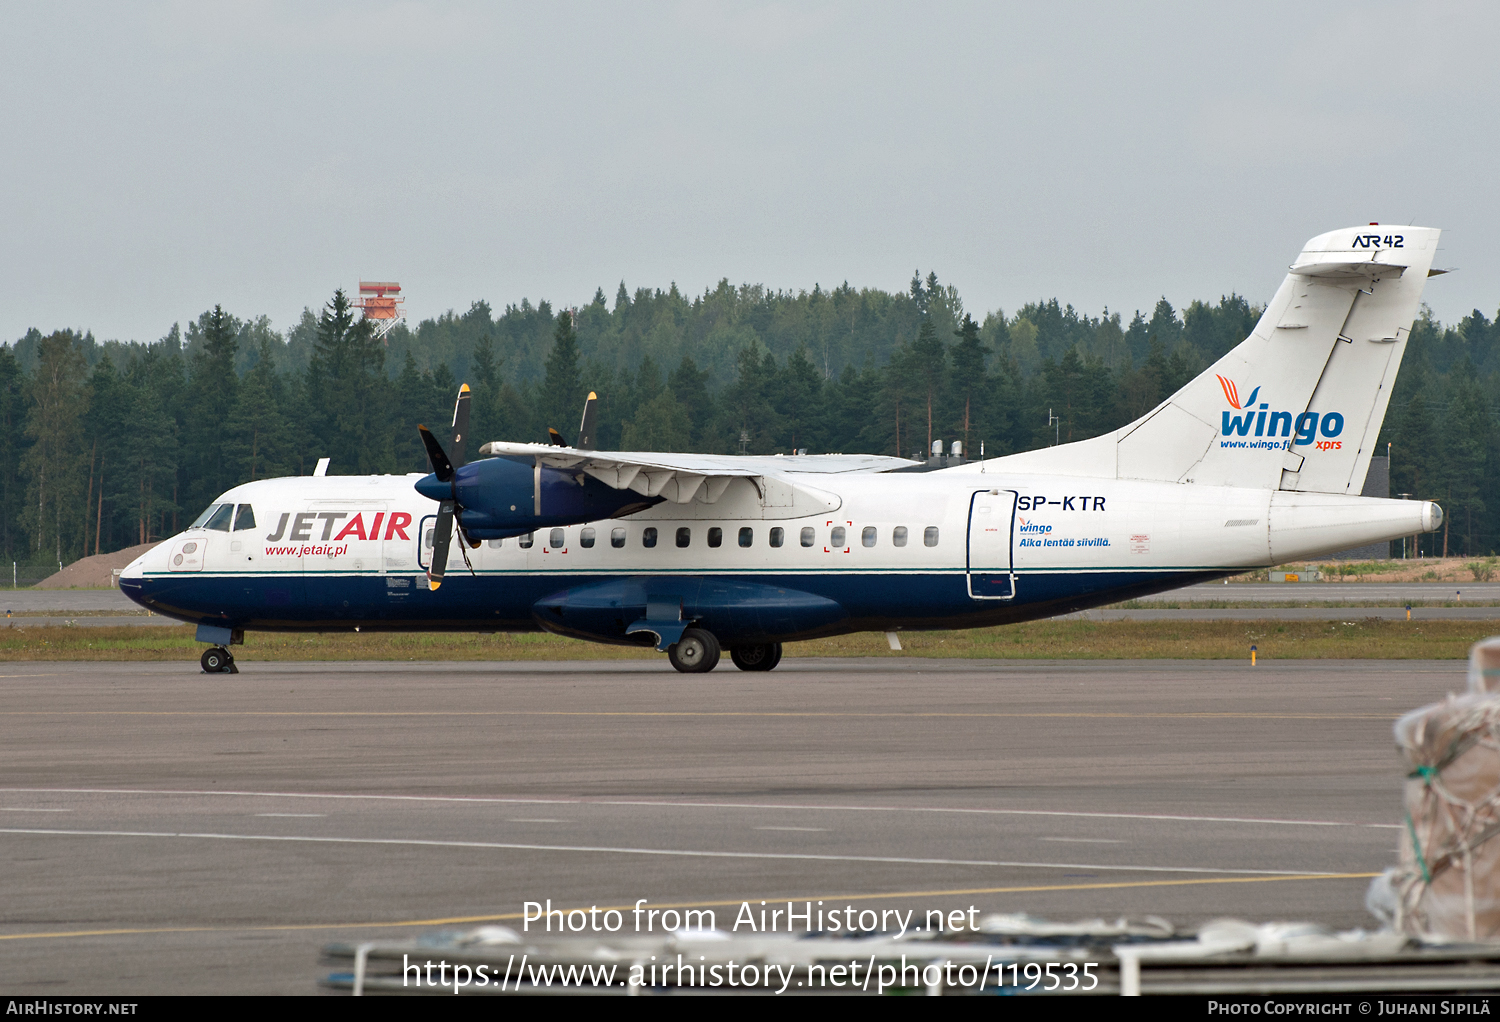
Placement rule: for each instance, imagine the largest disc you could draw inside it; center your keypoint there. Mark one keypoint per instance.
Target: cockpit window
(220, 518)
(245, 519)
(208, 513)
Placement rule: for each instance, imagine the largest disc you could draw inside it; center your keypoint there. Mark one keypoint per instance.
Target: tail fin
(1317, 369)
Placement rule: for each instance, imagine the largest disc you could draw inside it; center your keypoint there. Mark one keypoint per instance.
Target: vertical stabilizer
(1299, 403)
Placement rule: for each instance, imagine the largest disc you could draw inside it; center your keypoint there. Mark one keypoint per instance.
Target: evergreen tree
(256, 433)
(689, 386)
(13, 442)
(1468, 453)
(349, 394)
(797, 398)
(59, 400)
(211, 352)
(412, 409)
(661, 424)
(562, 394)
(110, 431)
(929, 366)
(968, 377)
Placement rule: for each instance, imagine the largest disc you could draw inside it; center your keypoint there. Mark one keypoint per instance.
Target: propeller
(586, 427)
(446, 470)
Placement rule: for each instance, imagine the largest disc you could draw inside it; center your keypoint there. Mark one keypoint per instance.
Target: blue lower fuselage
(737, 608)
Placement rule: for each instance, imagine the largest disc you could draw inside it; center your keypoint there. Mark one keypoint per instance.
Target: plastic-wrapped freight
(1448, 883)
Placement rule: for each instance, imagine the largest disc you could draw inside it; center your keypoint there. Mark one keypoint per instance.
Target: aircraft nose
(430, 487)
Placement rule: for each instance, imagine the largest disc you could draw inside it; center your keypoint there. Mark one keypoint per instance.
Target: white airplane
(1258, 461)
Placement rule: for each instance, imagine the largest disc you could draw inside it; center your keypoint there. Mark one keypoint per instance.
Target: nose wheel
(217, 660)
(697, 652)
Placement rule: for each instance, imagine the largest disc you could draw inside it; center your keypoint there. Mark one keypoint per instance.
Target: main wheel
(756, 658)
(695, 653)
(216, 660)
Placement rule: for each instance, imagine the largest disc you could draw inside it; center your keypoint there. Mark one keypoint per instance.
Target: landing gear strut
(756, 658)
(697, 652)
(218, 660)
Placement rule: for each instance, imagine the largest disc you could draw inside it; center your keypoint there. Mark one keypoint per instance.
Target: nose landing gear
(218, 660)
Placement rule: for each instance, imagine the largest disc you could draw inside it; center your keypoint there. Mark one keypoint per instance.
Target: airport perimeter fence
(24, 576)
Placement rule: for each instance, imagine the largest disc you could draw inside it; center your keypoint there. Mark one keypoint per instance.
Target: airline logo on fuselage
(1260, 421)
(303, 524)
(310, 533)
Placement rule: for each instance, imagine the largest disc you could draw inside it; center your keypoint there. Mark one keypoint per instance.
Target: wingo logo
(1266, 423)
(1035, 527)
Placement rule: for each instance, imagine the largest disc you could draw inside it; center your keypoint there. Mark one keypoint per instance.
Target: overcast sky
(163, 157)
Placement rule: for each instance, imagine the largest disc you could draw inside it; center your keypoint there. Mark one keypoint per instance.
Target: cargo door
(273, 560)
(991, 564)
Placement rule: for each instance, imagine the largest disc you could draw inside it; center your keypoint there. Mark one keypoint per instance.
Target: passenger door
(427, 536)
(990, 560)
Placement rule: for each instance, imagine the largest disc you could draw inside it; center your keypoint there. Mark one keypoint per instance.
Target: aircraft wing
(686, 477)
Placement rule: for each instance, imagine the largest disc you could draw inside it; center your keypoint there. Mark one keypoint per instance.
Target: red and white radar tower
(381, 302)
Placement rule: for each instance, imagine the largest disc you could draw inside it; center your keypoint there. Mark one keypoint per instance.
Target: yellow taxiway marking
(455, 920)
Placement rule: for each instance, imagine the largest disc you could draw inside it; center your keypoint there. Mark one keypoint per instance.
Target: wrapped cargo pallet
(1448, 883)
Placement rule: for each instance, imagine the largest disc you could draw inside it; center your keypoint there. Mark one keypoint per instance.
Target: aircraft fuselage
(948, 549)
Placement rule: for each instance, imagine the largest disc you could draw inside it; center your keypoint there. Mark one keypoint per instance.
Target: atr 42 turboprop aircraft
(1258, 461)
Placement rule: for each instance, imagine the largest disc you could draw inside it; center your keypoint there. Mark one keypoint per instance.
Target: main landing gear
(756, 658)
(218, 660)
(697, 652)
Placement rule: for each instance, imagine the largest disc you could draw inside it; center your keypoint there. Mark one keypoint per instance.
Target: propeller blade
(442, 533)
(555, 438)
(441, 466)
(586, 428)
(460, 425)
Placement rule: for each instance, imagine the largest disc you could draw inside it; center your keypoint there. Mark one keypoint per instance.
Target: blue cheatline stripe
(503, 600)
(728, 572)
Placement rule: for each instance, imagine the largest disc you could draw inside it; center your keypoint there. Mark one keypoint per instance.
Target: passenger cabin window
(807, 535)
(245, 519)
(427, 539)
(867, 535)
(684, 536)
(715, 537)
(556, 540)
(836, 537)
(525, 541)
(617, 538)
(747, 536)
(930, 535)
(208, 513)
(586, 539)
(778, 535)
(220, 519)
(496, 544)
(648, 537)
(898, 536)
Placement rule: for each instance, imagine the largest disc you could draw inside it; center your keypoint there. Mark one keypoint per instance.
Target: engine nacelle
(502, 497)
